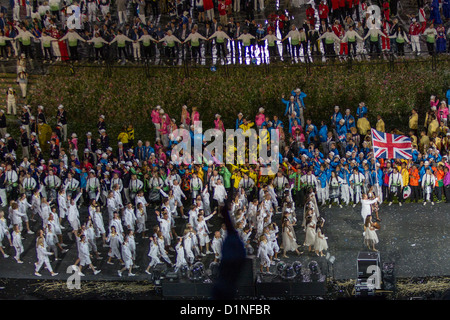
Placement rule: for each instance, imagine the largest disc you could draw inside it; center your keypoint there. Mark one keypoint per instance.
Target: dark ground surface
(414, 237)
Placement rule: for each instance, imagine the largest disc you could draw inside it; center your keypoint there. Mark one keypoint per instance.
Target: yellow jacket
(380, 125)
(433, 127)
(424, 143)
(247, 126)
(414, 121)
(363, 126)
(405, 175)
(201, 174)
(237, 178)
(123, 137)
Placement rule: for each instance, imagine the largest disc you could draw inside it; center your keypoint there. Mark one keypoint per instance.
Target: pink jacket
(295, 128)
(434, 103)
(195, 116)
(187, 119)
(260, 118)
(219, 125)
(155, 116)
(164, 129)
(442, 113)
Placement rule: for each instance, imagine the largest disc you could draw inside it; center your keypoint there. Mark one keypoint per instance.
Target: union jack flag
(391, 146)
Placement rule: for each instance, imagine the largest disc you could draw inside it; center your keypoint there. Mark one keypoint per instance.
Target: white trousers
(23, 88)
(415, 43)
(137, 50)
(345, 194)
(3, 197)
(105, 10)
(92, 10)
(237, 5)
(16, 12)
(12, 106)
(47, 264)
(122, 16)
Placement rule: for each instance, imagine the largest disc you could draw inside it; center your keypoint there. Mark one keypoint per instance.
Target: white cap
(427, 163)
(261, 109)
(7, 135)
(184, 107)
(158, 107)
(89, 134)
(102, 116)
(217, 115)
(161, 111)
(60, 106)
(98, 151)
(120, 143)
(86, 150)
(41, 107)
(74, 135)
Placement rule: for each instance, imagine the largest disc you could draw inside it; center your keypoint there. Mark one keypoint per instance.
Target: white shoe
(400, 204)
(329, 206)
(147, 272)
(119, 273)
(425, 203)
(131, 274)
(63, 245)
(109, 262)
(65, 250)
(364, 234)
(390, 203)
(354, 205)
(30, 232)
(97, 272)
(81, 274)
(38, 274)
(340, 206)
(54, 274)
(432, 203)
(209, 252)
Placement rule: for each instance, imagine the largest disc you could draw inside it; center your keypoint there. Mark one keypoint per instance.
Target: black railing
(188, 65)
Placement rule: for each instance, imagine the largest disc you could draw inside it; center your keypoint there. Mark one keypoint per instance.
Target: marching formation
(110, 200)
